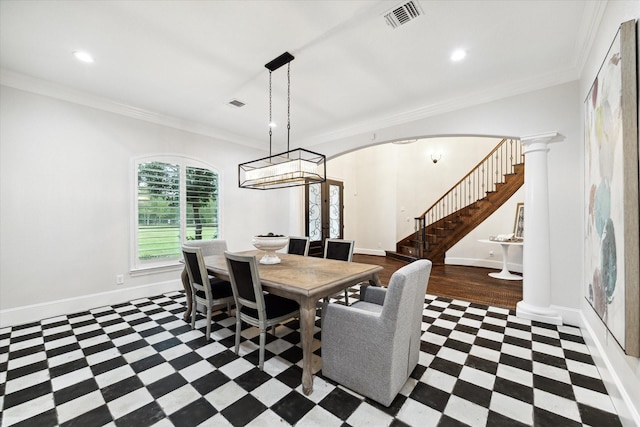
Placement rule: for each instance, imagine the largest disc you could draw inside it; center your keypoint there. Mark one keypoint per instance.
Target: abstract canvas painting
(611, 184)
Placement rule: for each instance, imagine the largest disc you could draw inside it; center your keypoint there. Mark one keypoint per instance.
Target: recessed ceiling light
(458, 54)
(83, 56)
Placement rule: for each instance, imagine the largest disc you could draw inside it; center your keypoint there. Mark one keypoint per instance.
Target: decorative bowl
(270, 244)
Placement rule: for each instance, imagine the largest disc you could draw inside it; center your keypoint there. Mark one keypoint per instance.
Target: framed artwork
(518, 225)
(612, 255)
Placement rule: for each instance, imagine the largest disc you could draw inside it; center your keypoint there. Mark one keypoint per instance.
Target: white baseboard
(469, 262)
(484, 263)
(36, 312)
(365, 251)
(570, 316)
(621, 401)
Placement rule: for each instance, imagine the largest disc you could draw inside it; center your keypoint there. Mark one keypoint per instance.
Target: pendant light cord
(288, 102)
(288, 109)
(270, 119)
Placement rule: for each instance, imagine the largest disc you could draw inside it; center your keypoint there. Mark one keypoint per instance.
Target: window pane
(335, 210)
(202, 204)
(315, 212)
(158, 210)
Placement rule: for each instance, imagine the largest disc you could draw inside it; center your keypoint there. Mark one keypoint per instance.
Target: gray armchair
(373, 345)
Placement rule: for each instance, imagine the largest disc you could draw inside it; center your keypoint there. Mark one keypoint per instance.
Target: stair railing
(472, 187)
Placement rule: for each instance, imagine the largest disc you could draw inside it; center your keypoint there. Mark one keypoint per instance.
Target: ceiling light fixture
(83, 56)
(458, 55)
(404, 141)
(291, 168)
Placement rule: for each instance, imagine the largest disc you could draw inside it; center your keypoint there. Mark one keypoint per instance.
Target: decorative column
(536, 281)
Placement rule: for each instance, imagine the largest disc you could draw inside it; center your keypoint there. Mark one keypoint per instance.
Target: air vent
(236, 103)
(402, 14)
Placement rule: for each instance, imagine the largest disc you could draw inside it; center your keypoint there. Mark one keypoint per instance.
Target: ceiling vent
(402, 14)
(236, 103)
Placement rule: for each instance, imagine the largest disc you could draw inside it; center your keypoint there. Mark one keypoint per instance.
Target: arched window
(176, 200)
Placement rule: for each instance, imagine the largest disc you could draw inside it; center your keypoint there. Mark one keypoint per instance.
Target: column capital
(539, 142)
(545, 138)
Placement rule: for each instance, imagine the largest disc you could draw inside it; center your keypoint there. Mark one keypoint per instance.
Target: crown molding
(591, 18)
(468, 100)
(53, 90)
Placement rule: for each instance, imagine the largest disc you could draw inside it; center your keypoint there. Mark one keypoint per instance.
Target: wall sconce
(436, 158)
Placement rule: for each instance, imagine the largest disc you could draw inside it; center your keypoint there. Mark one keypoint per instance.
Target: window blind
(176, 202)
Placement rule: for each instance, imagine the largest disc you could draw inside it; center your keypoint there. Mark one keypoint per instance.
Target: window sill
(156, 269)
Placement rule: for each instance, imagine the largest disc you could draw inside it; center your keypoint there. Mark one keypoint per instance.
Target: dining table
(304, 279)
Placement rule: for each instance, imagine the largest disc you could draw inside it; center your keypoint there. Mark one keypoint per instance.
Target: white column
(536, 282)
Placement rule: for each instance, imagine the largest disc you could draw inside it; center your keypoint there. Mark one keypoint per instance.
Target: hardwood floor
(457, 282)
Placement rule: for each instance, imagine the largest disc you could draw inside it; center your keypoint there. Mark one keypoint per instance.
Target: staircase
(467, 204)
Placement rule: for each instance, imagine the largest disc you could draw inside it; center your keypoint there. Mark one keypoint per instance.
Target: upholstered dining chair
(338, 249)
(373, 345)
(298, 246)
(253, 305)
(341, 250)
(209, 247)
(206, 290)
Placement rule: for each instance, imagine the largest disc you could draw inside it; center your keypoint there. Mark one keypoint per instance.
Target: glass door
(324, 214)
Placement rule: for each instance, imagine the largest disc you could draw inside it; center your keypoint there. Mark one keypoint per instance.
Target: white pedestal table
(504, 274)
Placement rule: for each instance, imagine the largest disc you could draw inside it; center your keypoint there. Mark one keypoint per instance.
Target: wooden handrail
(473, 186)
(466, 176)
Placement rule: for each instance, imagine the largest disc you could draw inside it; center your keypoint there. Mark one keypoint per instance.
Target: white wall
(369, 177)
(625, 370)
(66, 191)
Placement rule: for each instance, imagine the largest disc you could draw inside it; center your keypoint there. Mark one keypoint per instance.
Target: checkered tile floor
(139, 364)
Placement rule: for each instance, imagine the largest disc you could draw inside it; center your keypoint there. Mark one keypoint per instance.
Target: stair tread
(440, 235)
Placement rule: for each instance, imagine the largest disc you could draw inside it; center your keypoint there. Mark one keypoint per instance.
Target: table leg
(187, 291)
(375, 280)
(307, 323)
(505, 274)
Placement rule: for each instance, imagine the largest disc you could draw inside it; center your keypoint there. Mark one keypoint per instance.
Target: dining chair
(298, 246)
(209, 247)
(206, 290)
(253, 305)
(379, 334)
(338, 249)
(341, 250)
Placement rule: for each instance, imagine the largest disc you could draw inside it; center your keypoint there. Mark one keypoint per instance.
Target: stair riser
(448, 231)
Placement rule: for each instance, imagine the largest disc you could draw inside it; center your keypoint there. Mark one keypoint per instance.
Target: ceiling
(183, 61)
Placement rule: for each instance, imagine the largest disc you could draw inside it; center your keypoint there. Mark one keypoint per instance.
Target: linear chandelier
(291, 168)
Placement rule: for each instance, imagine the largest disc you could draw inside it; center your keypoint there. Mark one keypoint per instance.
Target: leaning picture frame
(612, 250)
(518, 225)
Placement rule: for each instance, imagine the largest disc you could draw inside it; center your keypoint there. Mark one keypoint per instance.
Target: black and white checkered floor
(139, 364)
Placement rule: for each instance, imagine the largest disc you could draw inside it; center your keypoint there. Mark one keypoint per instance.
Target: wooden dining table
(306, 280)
